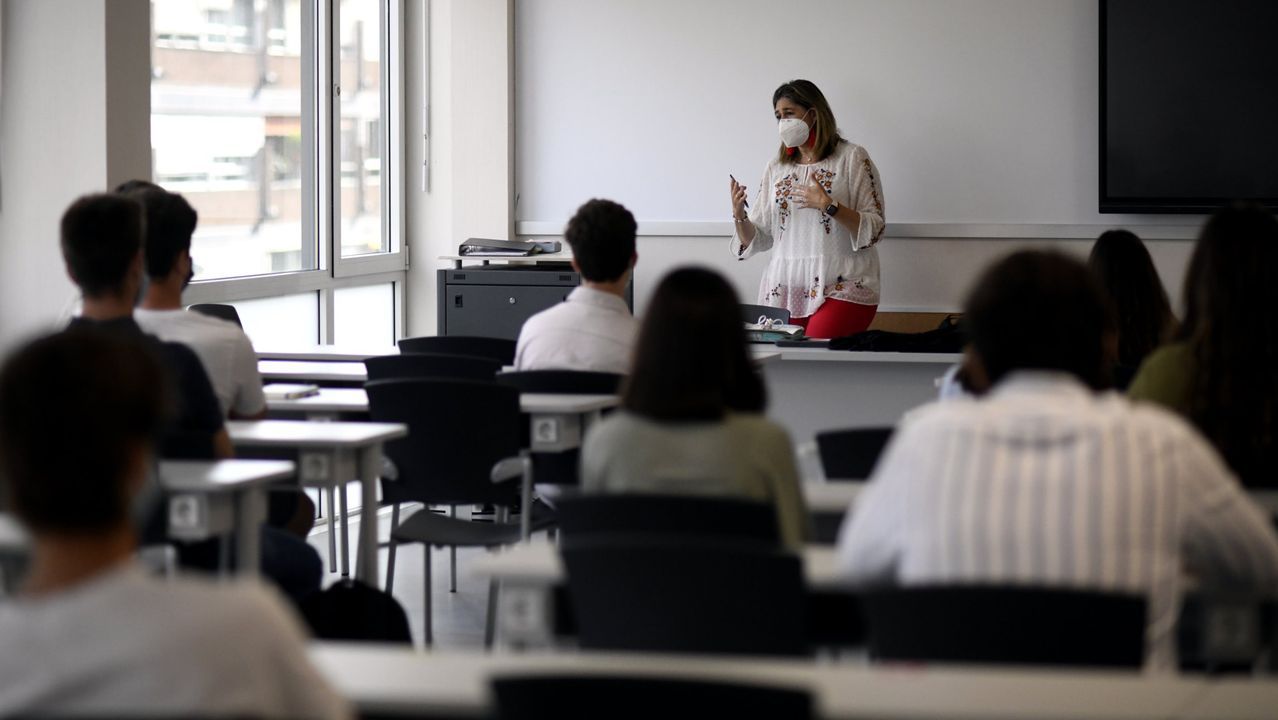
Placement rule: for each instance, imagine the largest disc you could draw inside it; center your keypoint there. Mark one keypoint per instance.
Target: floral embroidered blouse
(814, 256)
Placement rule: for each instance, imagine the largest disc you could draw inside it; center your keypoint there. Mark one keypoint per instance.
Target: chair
(672, 595)
(221, 312)
(459, 432)
(499, 349)
(563, 382)
(752, 313)
(992, 624)
(851, 454)
(424, 365)
(586, 516)
(587, 697)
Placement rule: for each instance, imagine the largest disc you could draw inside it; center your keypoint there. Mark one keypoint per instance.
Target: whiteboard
(980, 112)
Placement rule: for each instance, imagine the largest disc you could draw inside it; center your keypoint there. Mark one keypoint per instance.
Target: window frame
(321, 179)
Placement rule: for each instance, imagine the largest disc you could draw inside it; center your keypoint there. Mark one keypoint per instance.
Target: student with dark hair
(224, 349)
(592, 329)
(1046, 481)
(1122, 265)
(90, 632)
(1222, 370)
(102, 238)
(691, 413)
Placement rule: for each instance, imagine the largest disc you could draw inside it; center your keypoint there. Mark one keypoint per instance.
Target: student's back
(126, 644)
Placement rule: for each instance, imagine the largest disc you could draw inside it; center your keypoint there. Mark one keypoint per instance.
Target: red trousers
(836, 318)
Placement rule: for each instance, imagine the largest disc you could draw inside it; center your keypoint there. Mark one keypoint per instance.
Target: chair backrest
(584, 516)
(563, 382)
(990, 624)
(678, 596)
(423, 365)
(457, 431)
(499, 349)
(752, 313)
(221, 312)
(588, 697)
(851, 454)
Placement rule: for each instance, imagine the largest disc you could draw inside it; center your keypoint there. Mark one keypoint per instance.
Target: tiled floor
(458, 617)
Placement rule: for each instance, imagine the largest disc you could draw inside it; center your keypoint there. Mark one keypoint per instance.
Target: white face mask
(794, 131)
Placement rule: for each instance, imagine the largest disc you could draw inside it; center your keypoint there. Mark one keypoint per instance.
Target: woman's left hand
(814, 196)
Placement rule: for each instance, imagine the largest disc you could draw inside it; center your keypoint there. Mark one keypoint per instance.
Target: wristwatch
(832, 209)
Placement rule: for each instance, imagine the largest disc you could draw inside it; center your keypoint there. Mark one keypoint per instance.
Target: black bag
(948, 337)
(352, 610)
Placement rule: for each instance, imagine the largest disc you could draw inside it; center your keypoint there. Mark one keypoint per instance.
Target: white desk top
(355, 400)
(222, 475)
(13, 537)
(325, 353)
(833, 497)
(538, 563)
(1236, 698)
(564, 255)
(303, 434)
(311, 371)
(400, 680)
(818, 354)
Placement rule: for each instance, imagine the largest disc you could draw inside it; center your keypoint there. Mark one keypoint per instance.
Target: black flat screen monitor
(1188, 104)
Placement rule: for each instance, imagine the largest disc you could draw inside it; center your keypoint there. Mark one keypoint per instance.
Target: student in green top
(1222, 372)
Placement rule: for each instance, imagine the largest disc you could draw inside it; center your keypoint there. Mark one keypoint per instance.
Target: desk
(395, 681)
(213, 498)
(311, 371)
(1236, 698)
(331, 455)
(326, 353)
(833, 497)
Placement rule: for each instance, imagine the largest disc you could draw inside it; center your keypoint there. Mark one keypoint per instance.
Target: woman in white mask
(819, 208)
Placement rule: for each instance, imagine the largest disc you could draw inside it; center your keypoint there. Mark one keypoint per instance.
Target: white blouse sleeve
(760, 218)
(867, 197)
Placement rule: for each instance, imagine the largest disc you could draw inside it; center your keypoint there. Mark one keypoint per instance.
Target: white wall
(61, 137)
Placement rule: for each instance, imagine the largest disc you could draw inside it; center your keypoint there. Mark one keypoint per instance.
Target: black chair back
(589, 697)
(851, 454)
(499, 349)
(221, 312)
(678, 596)
(990, 624)
(586, 516)
(563, 382)
(752, 313)
(457, 431)
(421, 366)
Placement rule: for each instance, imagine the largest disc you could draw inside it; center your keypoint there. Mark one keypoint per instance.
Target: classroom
(558, 359)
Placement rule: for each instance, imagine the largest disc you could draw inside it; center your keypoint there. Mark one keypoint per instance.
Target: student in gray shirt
(691, 417)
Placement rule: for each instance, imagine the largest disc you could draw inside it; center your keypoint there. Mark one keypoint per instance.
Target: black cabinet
(495, 300)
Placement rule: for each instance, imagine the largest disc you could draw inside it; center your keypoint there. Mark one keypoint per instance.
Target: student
(690, 419)
(1122, 265)
(101, 237)
(1222, 371)
(102, 246)
(90, 632)
(593, 329)
(1045, 480)
(223, 348)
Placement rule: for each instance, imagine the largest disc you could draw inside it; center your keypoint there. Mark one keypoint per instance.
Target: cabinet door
(496, 310)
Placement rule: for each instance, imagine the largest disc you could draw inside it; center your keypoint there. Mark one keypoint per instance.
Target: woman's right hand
(738, 199)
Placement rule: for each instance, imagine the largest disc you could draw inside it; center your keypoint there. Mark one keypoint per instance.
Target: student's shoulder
(758, 428)
(248, 610)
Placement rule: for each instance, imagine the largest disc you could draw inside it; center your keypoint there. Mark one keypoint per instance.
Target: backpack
(354, 610)
(948, 337)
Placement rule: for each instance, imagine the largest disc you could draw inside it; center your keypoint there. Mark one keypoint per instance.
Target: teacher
(819, 208)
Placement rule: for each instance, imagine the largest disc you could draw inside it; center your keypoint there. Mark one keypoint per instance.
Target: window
(286, 175)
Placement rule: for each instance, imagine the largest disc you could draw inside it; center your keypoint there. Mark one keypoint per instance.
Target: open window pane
(364, 316)
(362, 127)
(284, 321)
(229, 133)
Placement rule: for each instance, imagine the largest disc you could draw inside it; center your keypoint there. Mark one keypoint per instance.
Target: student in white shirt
(90, 632)
(593, 329)
(1046, 480)
(224, 349)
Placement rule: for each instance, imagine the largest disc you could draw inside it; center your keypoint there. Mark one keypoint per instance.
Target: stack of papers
(289, 391)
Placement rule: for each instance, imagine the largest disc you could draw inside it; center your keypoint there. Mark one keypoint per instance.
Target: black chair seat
(851, 454)
(623, 698)
(427, 527)
(498, 349)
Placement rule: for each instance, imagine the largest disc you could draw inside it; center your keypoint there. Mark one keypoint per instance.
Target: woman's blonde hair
(807, 95)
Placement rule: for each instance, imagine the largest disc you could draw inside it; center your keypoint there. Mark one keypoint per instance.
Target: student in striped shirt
(1048, 480)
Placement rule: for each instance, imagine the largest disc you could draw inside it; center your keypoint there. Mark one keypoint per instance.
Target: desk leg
(251, 516)
(331, 511)
(346, 531)
(370, 469)
(525, 497)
